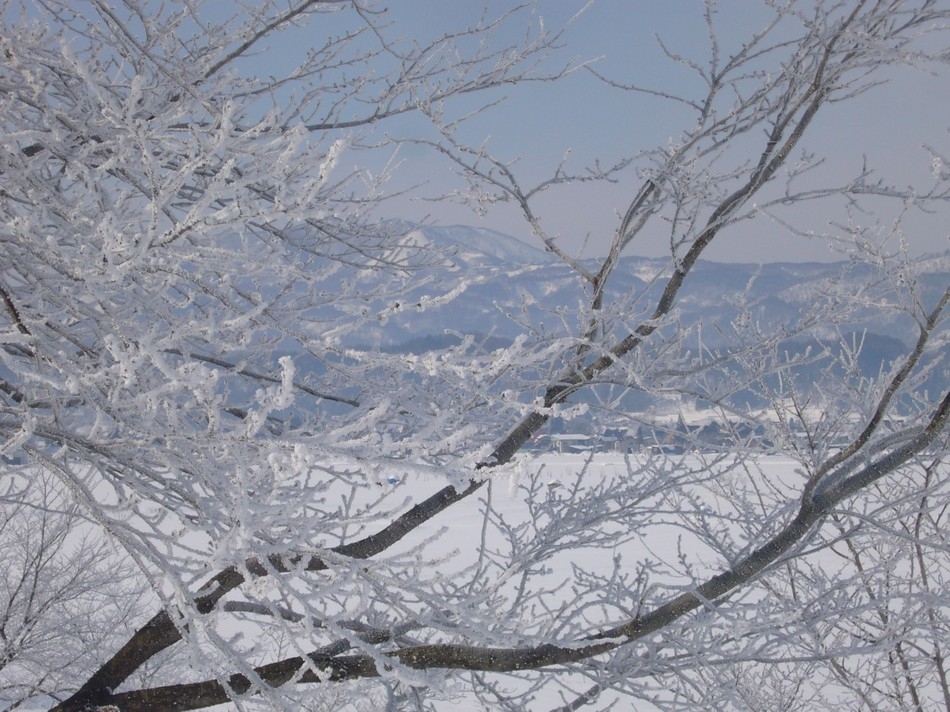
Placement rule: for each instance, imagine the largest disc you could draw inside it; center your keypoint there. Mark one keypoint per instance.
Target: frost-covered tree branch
(196, 295)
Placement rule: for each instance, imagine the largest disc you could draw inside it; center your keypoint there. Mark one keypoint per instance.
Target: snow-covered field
(459, 536)
(459, 531)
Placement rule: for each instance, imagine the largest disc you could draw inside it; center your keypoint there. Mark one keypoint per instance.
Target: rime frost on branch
(257, 439)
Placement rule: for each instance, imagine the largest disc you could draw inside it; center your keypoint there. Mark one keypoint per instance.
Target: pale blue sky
(538, 123)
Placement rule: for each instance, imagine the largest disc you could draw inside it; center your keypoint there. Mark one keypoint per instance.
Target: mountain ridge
(504, 283)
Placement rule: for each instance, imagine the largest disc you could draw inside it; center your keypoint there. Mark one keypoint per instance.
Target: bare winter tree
(190, 276)
(64, 595)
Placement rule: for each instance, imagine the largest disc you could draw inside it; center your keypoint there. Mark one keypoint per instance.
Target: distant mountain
(487, 288)
(503, 283)
(473, 245)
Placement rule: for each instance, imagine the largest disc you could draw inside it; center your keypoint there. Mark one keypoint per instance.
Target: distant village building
(572, 442)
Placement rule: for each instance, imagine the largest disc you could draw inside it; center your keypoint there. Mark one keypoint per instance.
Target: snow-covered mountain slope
(479, 245)
(502, 285)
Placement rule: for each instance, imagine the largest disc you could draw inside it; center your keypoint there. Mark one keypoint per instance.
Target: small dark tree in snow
(64, 593)
(192, 289)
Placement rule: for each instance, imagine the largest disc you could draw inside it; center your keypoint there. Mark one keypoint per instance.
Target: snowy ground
(462, 526)
(458, 531)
